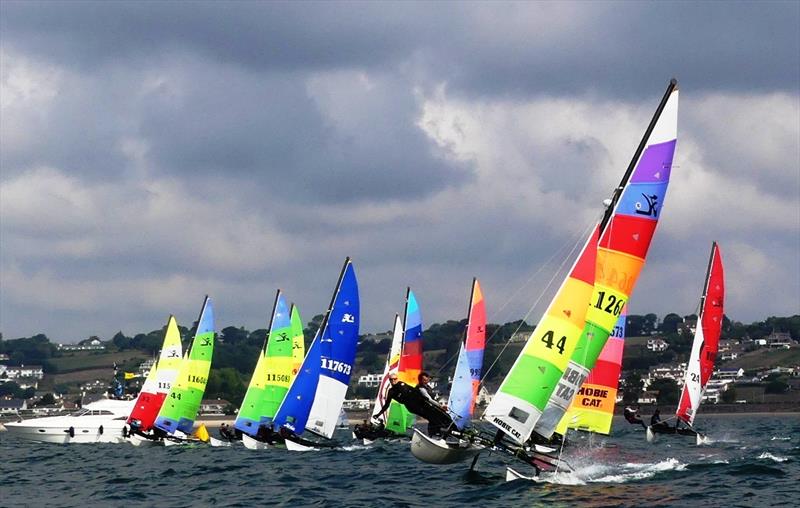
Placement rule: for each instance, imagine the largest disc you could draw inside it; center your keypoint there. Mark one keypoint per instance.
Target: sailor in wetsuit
(655, 421)
(418, 403)
(632, 416)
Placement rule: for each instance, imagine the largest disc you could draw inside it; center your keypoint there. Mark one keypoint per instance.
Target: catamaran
(405, 360)
(567, 342)
(704, 353)
(463, 392)
(156, 386)
(175, 420)
(315, 397)
(275, 369)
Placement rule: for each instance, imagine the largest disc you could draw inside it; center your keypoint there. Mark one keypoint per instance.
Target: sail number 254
(609, 303)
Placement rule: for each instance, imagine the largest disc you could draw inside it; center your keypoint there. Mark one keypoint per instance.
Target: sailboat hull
(253, 444)
(438, 451)
(512, 475)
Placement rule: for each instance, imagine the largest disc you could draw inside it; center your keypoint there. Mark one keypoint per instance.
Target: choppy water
(754, 460)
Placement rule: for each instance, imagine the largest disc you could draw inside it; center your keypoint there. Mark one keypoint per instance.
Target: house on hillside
(370, 380)
(648, 397)
(780, 340)
(657, 345)
(728, 374)
(213, 406)
(24, 371)
(12, 406)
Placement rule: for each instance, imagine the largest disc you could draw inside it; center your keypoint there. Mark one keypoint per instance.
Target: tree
(670, 323)
(312, 327)
(729, 395)
(632, 388)
(46, 400)
(668, 391)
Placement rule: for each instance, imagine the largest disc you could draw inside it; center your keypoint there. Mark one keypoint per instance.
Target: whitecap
(776, 458)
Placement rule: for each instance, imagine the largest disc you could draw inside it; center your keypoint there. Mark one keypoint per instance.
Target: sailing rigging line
(542, 266)
(576, 245)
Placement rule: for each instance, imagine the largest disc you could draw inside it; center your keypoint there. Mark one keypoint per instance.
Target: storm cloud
(155, 152)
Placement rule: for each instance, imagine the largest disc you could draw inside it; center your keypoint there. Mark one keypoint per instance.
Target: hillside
(764, 359)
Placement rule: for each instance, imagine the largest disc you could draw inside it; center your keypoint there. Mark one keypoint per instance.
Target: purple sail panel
(655, 163)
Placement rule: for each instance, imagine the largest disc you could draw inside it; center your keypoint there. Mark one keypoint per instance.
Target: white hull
(137, 440)
(253, 444)
(219, 443)
(297, 447)
(99, 422)
(512, 475)
(438, 451)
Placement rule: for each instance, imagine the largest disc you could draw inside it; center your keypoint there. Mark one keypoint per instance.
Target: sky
(152, 153)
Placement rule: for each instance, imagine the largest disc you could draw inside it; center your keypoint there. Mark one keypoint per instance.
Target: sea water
(750, 461)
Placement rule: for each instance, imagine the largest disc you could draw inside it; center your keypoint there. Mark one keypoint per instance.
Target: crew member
(417, 403)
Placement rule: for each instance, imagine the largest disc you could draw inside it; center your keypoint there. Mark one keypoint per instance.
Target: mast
(708, 281)
(672, 86)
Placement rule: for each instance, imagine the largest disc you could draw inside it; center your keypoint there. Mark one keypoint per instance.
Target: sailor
(632, 415)
(436, 423)
(655, 420)
(225, 432)
(417, 403)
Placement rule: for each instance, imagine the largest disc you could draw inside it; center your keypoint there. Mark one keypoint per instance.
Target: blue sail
(460, 401)
(293, 411)
(338, 343)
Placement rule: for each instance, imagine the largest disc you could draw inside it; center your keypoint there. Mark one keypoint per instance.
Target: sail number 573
(609, 303)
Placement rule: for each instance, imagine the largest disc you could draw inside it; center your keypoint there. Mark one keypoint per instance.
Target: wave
(779, 438)
(612, 473)
(775, 458)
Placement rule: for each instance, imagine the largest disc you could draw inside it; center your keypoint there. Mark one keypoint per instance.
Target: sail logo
(652, 206)
(506, 427)
(348, 318)
(206, 341)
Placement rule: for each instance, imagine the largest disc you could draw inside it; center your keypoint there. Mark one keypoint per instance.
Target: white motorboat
(102, 421)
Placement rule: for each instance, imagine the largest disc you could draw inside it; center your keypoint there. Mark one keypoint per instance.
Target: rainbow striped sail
(183, 401)
(706, 340)
(298, 341)
(467, 377)
(399, 419)
(273, 372)
(626, 231)
(593, 408)
(523, 395)
(159, 379)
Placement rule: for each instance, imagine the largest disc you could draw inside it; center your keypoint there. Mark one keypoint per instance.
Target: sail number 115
(609, 303)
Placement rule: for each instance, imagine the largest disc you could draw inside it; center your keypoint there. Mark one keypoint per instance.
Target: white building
(370, 380)
(657, 345)
(34, 371)
(728, 374)
(357, 404)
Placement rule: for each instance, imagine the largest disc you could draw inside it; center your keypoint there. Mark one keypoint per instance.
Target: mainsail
(159, 380)
(181, 405)
(523, 395)
(706, 339)
(467, 376)
(315, 398)
(593, 408)
(625, 234)
(397, 421)
(273, 372)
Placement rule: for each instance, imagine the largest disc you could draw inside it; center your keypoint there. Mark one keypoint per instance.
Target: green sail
(183, 400)
(273, 372)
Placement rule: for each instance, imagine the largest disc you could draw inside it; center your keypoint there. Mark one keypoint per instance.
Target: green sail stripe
(399, 419)
(518, 383)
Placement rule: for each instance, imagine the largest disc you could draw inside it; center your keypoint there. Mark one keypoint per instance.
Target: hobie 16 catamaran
(567, 342)
(704, 352)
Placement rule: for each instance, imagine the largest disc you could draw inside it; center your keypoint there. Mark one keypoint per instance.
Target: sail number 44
(336, 366)
(549, 340)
